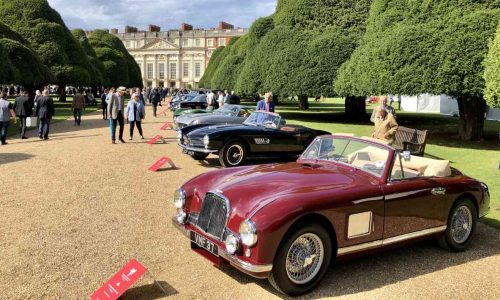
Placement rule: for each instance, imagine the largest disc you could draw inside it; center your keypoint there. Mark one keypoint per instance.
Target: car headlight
(248, 233)
(179, 198)
(179, 135)
(206, 140)
(181, 216)
(484, 186)
(232, 244)
(195, 122)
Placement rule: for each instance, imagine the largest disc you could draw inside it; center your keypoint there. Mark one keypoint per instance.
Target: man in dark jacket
(23, 110)
(104, 104)
(155, 100)
(45, 111)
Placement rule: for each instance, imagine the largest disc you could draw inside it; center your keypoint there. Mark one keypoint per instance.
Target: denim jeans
(77, 113)
(43, 129)
(3, 131)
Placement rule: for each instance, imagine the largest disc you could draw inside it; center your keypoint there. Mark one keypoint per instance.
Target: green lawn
(477, 159)
(63, 112)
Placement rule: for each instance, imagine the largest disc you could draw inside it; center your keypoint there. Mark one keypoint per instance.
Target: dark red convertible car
(343, 197)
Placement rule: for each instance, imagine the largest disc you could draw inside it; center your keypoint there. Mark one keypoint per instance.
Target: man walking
(78, 105)
(45, 111)
(156, 100)
(116, 108)
(104, 104)
(23, 110)
(6, 111)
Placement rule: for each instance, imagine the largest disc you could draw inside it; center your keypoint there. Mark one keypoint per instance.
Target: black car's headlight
(206, 140)
(248, 233)
(179, 198)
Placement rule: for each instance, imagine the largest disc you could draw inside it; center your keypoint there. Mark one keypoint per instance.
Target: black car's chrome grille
(213, 215)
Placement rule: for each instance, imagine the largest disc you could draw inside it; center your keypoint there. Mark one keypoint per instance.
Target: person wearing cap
(116, 108)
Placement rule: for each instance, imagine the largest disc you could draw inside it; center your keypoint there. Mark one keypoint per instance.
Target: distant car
(175, 103)
(228, 114)
(263, 134)
(343, 197)
(188, 111)
(198, 102)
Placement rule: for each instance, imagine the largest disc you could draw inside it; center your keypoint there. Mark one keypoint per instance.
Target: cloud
(169, 14)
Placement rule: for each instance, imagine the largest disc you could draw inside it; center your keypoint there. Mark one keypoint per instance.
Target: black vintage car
(263, 134)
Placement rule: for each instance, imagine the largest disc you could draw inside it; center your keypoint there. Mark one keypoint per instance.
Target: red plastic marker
(120, 282)
(156, 139)
(160, 163)
(167, 126)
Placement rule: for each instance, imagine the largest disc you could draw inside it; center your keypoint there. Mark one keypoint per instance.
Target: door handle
(438, 191)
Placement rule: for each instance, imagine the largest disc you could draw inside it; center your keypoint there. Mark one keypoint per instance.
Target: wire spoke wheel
(235, 154)
(461, 224)
(304, 258)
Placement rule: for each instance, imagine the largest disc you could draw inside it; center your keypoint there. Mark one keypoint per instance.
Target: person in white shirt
(211, 100)
(221, 99)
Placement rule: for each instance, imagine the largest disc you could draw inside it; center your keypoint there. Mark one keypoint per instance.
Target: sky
(169, 14)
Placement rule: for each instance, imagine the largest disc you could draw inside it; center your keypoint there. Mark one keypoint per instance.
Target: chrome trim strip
(392, 240)
(202, 150)
(234, 261)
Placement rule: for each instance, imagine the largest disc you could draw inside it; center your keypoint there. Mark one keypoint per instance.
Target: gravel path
(76, 208)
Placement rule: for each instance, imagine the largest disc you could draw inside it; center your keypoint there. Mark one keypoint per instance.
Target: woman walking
(135, 114)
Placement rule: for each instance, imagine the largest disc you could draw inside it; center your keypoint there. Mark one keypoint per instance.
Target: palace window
(185, 69)
(222, 42)
(198, 42)
(197, 69)
(162, 71)
(150, 71)
(173, 71)
(127, 44)
(185, 42)
(210, 42)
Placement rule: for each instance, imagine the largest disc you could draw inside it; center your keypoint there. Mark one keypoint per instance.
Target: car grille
(213, 215)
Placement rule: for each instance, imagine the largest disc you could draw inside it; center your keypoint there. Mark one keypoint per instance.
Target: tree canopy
(227, 71)
(413, 47)
(120, 68)
(215, 60)
(18, 62)
(44, 28)
(97, 70)
(492, 72)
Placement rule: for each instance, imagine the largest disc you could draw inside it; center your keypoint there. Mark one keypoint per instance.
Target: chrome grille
(213, 215)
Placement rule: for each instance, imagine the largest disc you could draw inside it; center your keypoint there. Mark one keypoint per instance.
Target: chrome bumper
(234, 261)
(199, 150)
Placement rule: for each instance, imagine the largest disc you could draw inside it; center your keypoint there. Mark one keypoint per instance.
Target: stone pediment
(159, 44)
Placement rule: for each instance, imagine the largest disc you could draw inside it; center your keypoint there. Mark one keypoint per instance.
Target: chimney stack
(130, 29)
(186, 27)
(114, 31)
(154, 28)
(224, 25)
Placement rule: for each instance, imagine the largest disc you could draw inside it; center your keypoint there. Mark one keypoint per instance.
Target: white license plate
(204, 243)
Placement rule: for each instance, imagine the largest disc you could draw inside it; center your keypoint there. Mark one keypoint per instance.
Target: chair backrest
(405, 134)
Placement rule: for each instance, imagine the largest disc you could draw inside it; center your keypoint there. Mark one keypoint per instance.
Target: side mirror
(407, 155)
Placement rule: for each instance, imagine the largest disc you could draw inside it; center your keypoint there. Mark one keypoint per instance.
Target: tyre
(233, 154)
(199, 156)
(460, 227)
(302, 260)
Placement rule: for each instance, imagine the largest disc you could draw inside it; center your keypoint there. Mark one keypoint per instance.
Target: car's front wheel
(199, 156)
(302, 260)
(461, 225)
(233, 154)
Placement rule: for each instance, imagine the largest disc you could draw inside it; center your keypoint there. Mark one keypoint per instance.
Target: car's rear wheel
(199, 156)
(302, 260)
(233, 154)
(461, 226)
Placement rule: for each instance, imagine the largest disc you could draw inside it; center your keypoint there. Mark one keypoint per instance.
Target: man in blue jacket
(266, 104)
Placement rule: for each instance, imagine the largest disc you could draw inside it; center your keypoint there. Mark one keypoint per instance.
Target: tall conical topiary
(96, 66)
(492, 72)
(44, 28)
(412, 47)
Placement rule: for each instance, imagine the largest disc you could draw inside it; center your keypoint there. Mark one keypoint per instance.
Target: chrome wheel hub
(304, 258)
(461, 224)
(235, 154)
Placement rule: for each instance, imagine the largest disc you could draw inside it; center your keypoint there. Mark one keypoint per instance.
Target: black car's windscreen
(265, 119)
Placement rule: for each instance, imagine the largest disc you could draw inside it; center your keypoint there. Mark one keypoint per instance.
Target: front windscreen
(227, 110)
(357, 153)
(265, 119)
